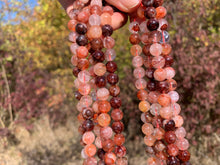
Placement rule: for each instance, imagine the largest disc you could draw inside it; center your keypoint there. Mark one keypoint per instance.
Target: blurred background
(38, 123)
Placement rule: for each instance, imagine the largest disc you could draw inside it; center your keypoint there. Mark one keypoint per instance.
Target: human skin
(118, 18)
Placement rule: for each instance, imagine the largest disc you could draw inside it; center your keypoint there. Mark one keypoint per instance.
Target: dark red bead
(170, 137)
(76, 71)
(148, 3)
(146, 50)
(173, 161)
(120, 151)
(117, 127)
(101, 153)
(152, 24)
(162, 86)
(184, 155)
(115, 102)
(108, 145)
(100, 81)
(168, 61)
(150, 12)
(77, 95)
(87, 113)
(81, 28)
(96, 44)
(158, 3)
(170, 125)
(88, 125)
(98, 56)
(111, 66)
(81, 130)
(112, 78)
(107, 30)
(150, 73)
(151, 85)
(134, 39)
(82, 40)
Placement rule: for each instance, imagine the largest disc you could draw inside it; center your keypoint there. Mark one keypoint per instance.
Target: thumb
(127, 6)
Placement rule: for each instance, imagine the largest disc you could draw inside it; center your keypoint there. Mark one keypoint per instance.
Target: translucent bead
(160, 74)
(104, 119)
(166, 48)
(139, 72)
(83, 64)
(95, 107)
(71, 25)
(106, 19)
(98, 142)
(108, 145)
(176, 109)
(136, 50)
(72, 37)
(114, 90)
(86, 100)
(104, 106)
(140, 12)
(182, 144)
(110, 54)
(154, 36)
(90, 150)
(100, 69)
(96, 130)
(170, 72)
(106, 132)
(108, 9)
(110, 158)
(80, 106)
(165, 37)
(172, 150)
(155, 109)
(174, 96)
(166, 112)
(122, 161)
(161, 12)
(134, 27)
(159, 146)
(145, 38)
(84, 89)
(102, 94)
(143, 27)
(158, 62)
(180, 132)
(117, 114)
(96, 2)
(84, 1)
(147, 129)
(153, 96)
(153, 161)
(73, 48)
(120, 151)
(77, 83)
(178, 120)
(149, 140)
(156, 49)
(119, 139)
(83, 17)
(117, 127)
(137, 61)
(94, 19)
(109, 42)
(83, 154)
(88, 137)
(140, 83)
(172, 84)
(159, 133)
(142, 94)
(170, 137)
(94, 32)
(84, 76)
(164, 100)
(184, 155)
(74, 60)
(163, 24)
(144, 106)
(148, 62)
(95, 9)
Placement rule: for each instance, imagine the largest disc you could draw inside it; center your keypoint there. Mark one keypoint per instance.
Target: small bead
(144, 106)
(81, 28)
(106, 19)
(184, 155)
(115, 102)
(110, 158)
(153, 96)
(101, 153)
(182, 144)
(104, 106)
(150, 12)
(178, 120)
(88, 137)
(119, 139)
(95, 9)
(82, 40)
(156, 49)
(76, 71)
(96, 44)
(161, 12)
(111, 66)
(104, 119)
(160, 75)
(90, 150)
(117, 114)
(147, 129)
(100, 69)
(166, 112)
(170, 137)
(117, 127)
(100, 81)
(98, 56)
(163, 24)
(114, 90)
(152, 24)
(108, 9)
(149, 140)
(134, 39)
(155, 109)
(107, 30)
(170, 125)
(172, 150)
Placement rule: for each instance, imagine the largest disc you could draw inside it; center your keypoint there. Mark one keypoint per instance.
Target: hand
(118, 18)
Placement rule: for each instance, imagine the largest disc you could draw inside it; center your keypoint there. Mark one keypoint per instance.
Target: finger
(127, 6)
(118, 20)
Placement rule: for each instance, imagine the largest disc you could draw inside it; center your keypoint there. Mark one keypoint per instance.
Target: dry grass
(45, 146)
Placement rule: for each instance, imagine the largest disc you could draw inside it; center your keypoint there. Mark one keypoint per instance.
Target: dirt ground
(60, 146)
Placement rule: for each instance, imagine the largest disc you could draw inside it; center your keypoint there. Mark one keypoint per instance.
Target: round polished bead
(88, 125)
(173, 161)
(77, 95)
(88, 113)
(119, 139)
(144, 106)
(182, 144)
(134, 27)
(140, 12)
(108, 42)
(82, 40)
(94, 32)
(157, 121)
(170, 72)
(170, 137)
(174, 96)
(74, 60)
(146, 50)
(154, 36)
(82, 52)
(151, 85)
(170, 125)
(178, 120)
(165, 37)
(98, 142)
(106, 132)
(148, 3)
(98, 56)
(117, 114)
(137, 61)
(163, 24)
(140, 83)
(111, 66)
(72, 36)
(112, 78)
(83, 16)
(102, 94)
(117, 127)
(180, 132)
(106, 19)
(120, 151)
(101, 153)
(162, 86)
(104, 106)
(156, 49)
(146, 117)
(81, 28)
(159, 146)
(158, 3)
(155, 109)
(153, 161)
(110, 158)
(149, 140)
(100, 81)
(96, 44)
(143, 27)
(84, 89)
(172, 84)
(95, 9)
(142, 94)
(166, 112)
(159, 133)
(161, 12)
(76, 71)
(108, 9)
(114, 90)
(168, 61)
(159, 62)
(90, 150)
(88, 137)
(83, 64)
(166, 49)
(72, 24)
(110, 54)
(152, 24)
(139, 72)
(150, 12)
(107, 30)
(122, 161)
(136, 50)
(74, 47)
(134, 39)
(94, 19)
(147, 129)
(150, 73)
(145, 38)
(172, 150)
(160, 75)
(104, 119)
(153, 96)
(115, 102)
(108, 145)
(184, 155)
(164, 100)
(100, 69)
(84, 76)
